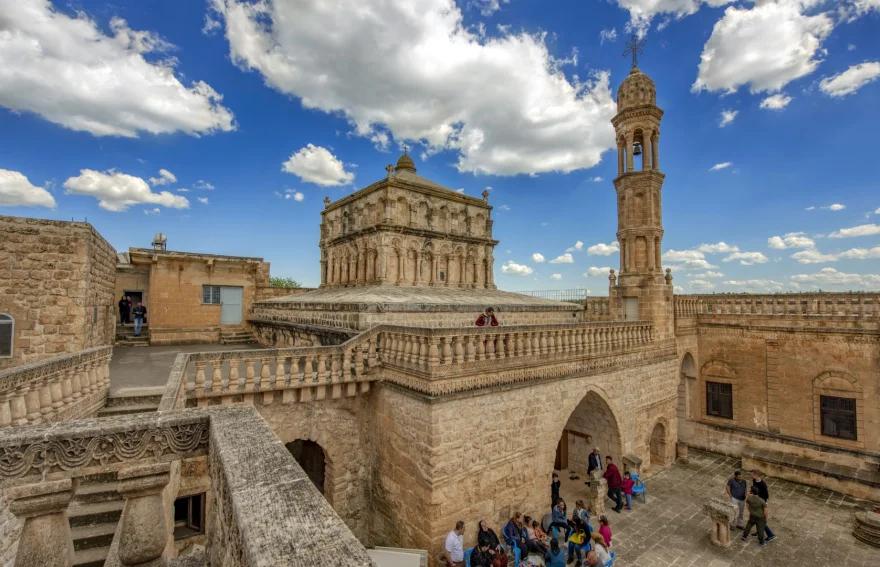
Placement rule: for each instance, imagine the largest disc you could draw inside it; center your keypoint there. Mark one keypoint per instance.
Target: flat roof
(193, 255)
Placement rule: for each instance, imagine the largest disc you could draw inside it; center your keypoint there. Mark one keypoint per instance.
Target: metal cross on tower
(634, 47)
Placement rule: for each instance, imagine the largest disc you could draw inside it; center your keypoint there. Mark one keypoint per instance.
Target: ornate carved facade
(408, 231)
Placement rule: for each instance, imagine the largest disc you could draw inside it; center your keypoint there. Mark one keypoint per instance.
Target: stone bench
(861, 483)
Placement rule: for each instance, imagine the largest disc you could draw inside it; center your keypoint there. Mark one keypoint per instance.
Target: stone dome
(405, 162)
(636, 90)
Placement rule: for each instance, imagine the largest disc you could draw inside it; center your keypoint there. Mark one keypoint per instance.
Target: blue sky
(255, 112)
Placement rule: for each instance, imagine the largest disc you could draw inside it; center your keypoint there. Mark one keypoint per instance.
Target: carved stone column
(143, 534)
(723, 514)
(597, 494)
(45, 537)
(681, 450)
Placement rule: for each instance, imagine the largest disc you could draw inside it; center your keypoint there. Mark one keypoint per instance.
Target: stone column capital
(144, 480)
(39, 499)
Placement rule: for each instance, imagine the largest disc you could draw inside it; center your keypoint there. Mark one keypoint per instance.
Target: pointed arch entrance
(312, 459)
(686, 386)
(658, 447)
(591, 424)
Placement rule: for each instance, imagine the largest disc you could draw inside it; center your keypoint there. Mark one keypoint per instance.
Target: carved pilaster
(45, 537)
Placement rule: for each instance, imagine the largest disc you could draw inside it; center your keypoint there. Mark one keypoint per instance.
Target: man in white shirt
(455, 546)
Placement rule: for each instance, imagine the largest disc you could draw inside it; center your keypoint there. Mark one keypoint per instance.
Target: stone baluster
(500, 350)
(372, 359)
(411, 354)
(510, 348)
(526, 344)
(216, 376)
(249, 375)
(446, 351)
(45, 395)
(66, 387)
(199, 383)
(458, 349)
(93, 376)
(470, 348)
(45, 539)
(265, 363)
(75, 384)
(56, 391)
(423, 351)
(322, 369)
(6, 409)
(18, 407)
(335, 367)
(143, 533)
(32, 403)
(104, 365)
(536, 343)
(481, 347)
(232, 381)
(543, 342)
(280, 378)
(434, 350)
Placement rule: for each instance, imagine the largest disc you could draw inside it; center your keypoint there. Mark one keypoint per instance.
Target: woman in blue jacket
(559, 518)
(514, 535)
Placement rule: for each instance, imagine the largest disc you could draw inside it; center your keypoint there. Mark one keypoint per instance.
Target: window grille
(838, 417)
(719, 400)
(211, 294)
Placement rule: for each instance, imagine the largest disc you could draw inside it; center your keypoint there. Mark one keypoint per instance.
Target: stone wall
(57, 282)
(133, 278)
(265, 292)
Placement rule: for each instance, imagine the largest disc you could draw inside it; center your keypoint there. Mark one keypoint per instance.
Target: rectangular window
(189, 516)
(838, 417)
(719, 400)
(211, 294)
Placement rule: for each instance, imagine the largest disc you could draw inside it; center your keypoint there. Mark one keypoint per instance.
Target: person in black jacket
(554, 490)
(139, 312)
(764, 493)
(594, 461)
(124, 310)
(487, 536)
(481, 556)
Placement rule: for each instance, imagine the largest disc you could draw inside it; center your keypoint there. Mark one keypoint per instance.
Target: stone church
(360, 421)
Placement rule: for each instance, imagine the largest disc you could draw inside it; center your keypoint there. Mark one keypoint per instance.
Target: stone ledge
(840, 472)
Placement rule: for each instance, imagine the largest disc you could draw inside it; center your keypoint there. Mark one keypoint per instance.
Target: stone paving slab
(813, 525)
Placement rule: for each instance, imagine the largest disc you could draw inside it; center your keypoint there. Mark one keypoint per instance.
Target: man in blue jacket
(594, 461)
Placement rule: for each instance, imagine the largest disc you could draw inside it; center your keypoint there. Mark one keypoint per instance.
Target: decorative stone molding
(866, 527)
(722, 513)
(45, 537)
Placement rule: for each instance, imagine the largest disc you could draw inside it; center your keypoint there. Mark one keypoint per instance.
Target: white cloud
(602, 249)
(154, 211)
(830, 276)
(487, 7)
(504, 207)
(727, 117)
(813, 256)
(69, 72)
(791, 240)
(564, 259)
(861, 230)
(835, 207)
(765, 47)
(203, 185)
(851, 47)
(764, 285)
(17, 191)
(578, 247)
(747, 258)
(861, 253)
(607, 35)
(682, 255)
(537, 258)
(314, 164)
(641, 12)
(851, 10)
(117, 191)
(555, 276)
(678, 289)
(594, 272)
(202, 200)
(717, 248)
(707, 275)
(701, 285)
(597, 179)
(511, 268)
(723, 165)
(412, 69)
(295, 195)
(775, 102)
(692, 265)
(851, 80)
(165, 178)
(877, 212)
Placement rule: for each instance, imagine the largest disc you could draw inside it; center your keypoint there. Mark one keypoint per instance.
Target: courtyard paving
(813, 525)
(139, 367)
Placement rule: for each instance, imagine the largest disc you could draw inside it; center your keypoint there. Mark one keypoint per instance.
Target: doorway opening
(592, 424)
(311, 458)
(658, 447)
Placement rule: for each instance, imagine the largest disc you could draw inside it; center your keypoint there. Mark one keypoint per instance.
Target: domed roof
(636, 90)
(405, 162)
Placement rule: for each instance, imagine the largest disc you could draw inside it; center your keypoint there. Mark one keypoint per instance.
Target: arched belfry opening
(591, 424)
(686, 386)
(312, 459)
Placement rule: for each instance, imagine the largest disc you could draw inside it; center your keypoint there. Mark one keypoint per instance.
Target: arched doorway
(310, 457)
(686, 385)
(658, 447)
(591, 424)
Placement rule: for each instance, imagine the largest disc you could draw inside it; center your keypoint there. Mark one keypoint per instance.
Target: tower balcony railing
(863, 305)
(60, 388)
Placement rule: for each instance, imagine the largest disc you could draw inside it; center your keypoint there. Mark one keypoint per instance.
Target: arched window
(7, 335)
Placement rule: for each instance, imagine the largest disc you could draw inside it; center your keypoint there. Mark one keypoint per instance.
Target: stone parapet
(65, 387)
(825, 304)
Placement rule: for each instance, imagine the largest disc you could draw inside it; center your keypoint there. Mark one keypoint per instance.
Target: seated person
(578, 541)
(559, 518)
(481, 556)
(540, 535)
(532, 538)
(554, 557)
(487, 535)
(602, 553)
(513, 535)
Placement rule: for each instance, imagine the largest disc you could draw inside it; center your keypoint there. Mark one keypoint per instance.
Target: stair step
(90, 557)
(82, 514)
(94, 493)
(126, 410)
(90, 537)
(97, 478)
(117, 401)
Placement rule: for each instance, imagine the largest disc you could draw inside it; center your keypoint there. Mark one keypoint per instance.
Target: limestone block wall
(134, 278)
(777, 375)
(484, 454)
(343, 428)
(57, 282)
(268, 292)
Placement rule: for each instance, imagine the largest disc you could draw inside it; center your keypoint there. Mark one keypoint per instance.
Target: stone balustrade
(865, 305)
(262, 503)
(57, 389)
(597, 309)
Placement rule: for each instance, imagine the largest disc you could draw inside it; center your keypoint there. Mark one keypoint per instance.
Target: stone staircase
(125, 336)
(93, 515)
(236, 336)
(132, 400)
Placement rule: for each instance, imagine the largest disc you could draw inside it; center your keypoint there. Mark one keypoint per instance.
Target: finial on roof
(390, 169)
(326, 202)
(486, 196)
(635, 47)
(405, 162)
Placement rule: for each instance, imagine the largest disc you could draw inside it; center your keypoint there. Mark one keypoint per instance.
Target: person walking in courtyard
(759, 513)
(554, 490)
(594, 461)
(559, 518)
(764, 493)
(124, 310)
(139, 313)
(615, 482)
(628, 484)
(455, 546)
(736, 490)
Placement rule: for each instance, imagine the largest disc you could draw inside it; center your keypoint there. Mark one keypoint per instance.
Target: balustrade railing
(597, 309)
(825, 304)
(64, 387)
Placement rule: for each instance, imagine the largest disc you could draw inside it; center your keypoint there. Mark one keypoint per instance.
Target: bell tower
(641, 290)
